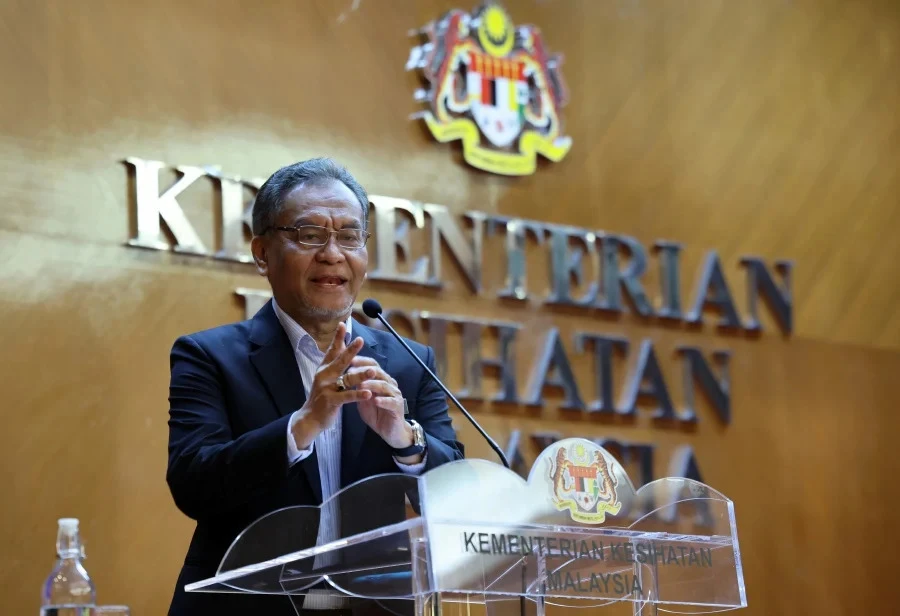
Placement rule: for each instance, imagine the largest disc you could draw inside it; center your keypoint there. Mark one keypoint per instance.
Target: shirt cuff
(413, 469)
(294, 453)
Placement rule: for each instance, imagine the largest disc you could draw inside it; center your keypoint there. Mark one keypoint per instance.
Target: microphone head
(371, 308)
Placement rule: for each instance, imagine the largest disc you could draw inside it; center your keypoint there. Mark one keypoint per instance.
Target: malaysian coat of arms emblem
(494, 87)
(582, 483)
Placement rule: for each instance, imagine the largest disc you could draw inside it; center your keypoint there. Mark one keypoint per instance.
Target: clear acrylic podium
(574, 535)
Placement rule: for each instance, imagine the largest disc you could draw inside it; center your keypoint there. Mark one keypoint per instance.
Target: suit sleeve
(433, 414)
(210, 471)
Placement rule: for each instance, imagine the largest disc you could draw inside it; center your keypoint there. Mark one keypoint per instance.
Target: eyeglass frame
(331, 233)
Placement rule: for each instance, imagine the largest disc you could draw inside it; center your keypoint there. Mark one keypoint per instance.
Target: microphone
(372, 309)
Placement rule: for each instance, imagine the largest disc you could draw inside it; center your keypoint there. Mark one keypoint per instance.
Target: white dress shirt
(327, 442)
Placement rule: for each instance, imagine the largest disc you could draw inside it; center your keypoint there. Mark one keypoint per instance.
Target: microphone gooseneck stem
(443, 387)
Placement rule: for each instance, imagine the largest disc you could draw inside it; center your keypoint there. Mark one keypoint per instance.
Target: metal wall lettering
(566, 262)
(160, 223)
(505, 361)
(778, 297)
(473, 362)
(614, 279)
(588, 269)
(516, 237)
(151, 206)
(669, 274)
(391, 236)
(695, 370)
(399, 320)
(542, 440)
(467, 255)
(513, 451)
(639, 454)
(235, 217)
(254, 299)
(552, 367)
(437, 340)
(712, 290)
(603, 346)
(647, 369)
(682, 462)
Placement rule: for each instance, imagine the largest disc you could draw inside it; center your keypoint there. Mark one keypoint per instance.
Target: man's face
(316, 282)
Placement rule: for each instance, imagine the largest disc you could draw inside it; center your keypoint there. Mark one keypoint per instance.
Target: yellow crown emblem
(493, 86)
(495, 32)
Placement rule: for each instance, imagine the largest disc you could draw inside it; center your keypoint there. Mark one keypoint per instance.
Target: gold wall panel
(766, 128)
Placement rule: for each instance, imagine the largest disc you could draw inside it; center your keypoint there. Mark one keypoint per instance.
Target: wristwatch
(418, 445)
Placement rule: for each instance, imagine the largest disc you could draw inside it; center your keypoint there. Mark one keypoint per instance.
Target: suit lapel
(275, 362)
(354, 430)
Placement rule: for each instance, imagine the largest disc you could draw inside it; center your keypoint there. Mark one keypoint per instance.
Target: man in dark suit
(301, 400)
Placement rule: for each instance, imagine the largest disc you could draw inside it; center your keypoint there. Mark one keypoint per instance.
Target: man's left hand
(385, 411)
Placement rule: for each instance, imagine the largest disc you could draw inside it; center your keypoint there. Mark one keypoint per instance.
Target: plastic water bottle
(68, 590)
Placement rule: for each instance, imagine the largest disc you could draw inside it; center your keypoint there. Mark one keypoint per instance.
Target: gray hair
(270, 197)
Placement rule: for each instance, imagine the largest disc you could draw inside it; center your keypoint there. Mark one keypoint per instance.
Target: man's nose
(330, 252)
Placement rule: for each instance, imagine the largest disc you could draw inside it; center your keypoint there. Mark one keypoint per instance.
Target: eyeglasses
(310, 235)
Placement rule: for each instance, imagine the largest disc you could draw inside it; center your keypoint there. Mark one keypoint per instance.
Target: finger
(380, 374)
(348, 396)
(355, 376)
(391, 404)
(368, 361)
(341, 361)
(337, 344)
(362, 360)
(381, 388)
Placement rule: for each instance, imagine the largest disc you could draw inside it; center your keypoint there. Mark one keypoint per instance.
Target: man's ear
(260, 256)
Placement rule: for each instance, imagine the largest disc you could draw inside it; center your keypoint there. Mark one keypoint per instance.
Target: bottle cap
(68, 523)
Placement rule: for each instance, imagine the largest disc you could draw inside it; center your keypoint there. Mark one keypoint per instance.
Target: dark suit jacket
(232, 391)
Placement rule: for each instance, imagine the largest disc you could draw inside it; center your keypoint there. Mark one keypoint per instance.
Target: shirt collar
(295, 332)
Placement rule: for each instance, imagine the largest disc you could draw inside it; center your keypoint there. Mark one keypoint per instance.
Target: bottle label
(68, 610)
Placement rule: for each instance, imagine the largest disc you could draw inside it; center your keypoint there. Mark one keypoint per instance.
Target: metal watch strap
(418, 445)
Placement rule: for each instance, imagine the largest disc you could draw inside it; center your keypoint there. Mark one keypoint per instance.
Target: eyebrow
(352, 224)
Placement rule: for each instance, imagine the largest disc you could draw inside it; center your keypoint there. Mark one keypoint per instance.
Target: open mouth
(329, 281)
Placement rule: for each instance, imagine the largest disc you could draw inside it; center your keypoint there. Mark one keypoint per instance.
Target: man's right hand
(324, 400)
